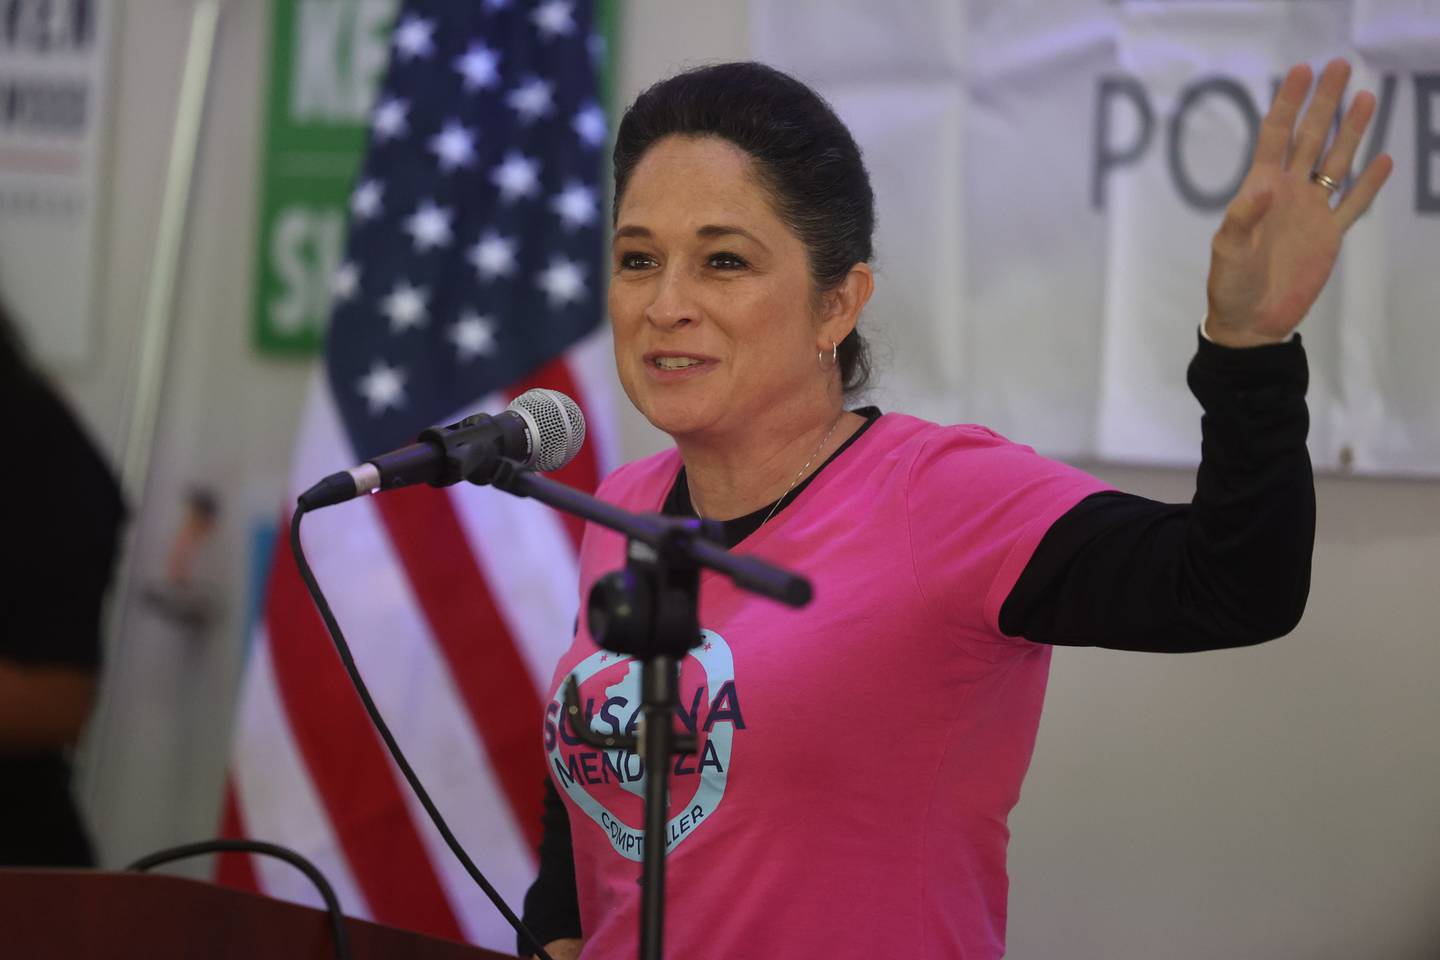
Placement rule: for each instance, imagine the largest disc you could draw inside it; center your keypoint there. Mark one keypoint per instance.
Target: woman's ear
(844, 304)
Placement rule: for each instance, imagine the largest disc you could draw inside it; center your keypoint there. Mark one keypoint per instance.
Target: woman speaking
(859, 758)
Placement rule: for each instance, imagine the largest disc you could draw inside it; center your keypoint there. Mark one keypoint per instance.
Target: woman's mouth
(675, 366)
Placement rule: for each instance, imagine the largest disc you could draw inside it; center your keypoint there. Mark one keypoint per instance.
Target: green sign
(327, 60)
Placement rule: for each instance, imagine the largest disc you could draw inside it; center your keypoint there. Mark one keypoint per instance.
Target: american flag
(473, 272)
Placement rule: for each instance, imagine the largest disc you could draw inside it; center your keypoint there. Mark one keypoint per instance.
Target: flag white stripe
(463, 785)
(321, 447)
(529, 562)
(277, 801)
(592, 365)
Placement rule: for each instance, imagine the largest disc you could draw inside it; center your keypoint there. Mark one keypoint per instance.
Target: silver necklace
(820, 446)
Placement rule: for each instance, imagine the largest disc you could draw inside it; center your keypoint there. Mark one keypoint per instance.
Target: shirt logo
(609, 785)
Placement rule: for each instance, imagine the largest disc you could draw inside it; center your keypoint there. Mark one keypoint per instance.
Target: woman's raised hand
(1281, 235)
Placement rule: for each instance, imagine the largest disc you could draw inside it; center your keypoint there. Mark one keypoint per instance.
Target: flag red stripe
(348, 763)
(485, 664)
(582, 473)
(235, 869)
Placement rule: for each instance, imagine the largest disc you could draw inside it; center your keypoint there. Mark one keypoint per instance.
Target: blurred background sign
(54, 64)
(326, 59)
(1049, 176)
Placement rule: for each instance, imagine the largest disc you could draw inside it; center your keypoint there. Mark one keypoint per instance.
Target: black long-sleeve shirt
(64, 534)
(1229, 569)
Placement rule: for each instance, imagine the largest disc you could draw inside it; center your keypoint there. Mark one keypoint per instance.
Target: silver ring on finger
(1327, 182)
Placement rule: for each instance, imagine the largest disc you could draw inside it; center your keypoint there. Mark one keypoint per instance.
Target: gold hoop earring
(834, 357)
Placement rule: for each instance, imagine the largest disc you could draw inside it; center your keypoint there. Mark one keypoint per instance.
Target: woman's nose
(674, 303)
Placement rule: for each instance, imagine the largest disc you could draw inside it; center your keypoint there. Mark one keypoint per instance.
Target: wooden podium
(61, 914)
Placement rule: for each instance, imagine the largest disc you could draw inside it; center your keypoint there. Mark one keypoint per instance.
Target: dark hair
(804, 156)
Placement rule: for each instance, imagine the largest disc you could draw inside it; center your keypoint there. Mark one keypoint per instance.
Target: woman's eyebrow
(726, 230)
(708, 231)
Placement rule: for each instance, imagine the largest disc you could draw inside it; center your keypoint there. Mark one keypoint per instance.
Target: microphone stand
(649, 610)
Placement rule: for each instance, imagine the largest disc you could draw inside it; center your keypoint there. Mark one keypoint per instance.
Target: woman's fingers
(1341, 154)
(1315, 125)
(1358, 198)
(1279, 123)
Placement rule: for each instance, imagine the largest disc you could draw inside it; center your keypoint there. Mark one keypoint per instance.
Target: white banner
(1049, 174)
(54, 61)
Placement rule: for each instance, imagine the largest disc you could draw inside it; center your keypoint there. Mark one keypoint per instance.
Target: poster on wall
(326, 58)
(1049, 176)
(54, 64)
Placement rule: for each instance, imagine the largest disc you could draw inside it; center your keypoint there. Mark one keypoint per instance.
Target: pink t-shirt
(859, 757)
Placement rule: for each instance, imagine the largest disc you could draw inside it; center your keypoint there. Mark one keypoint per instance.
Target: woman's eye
(727, 261)
(635, 261)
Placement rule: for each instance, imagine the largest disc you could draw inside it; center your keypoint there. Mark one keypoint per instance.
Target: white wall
(1281, 801)
(1275, 802)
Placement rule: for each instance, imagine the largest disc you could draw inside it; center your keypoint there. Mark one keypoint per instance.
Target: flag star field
(492, 148)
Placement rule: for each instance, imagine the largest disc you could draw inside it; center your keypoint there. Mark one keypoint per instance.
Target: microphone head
(557, 427)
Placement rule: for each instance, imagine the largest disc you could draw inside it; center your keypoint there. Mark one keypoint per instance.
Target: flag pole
(142, 397)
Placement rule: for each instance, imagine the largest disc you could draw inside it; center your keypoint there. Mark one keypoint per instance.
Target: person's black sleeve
(64, 530)
(1229, 569)
(552, 909)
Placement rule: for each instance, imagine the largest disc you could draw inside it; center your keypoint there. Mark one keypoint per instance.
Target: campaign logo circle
(609, 785)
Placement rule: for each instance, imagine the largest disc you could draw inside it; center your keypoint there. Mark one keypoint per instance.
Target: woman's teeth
(675, 363)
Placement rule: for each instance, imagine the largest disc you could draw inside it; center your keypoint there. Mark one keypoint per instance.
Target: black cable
(343, 649)
(332, 903)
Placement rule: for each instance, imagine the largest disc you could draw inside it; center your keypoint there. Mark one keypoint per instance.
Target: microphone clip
(473, 449)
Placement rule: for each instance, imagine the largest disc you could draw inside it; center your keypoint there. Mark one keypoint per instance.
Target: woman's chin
(679, 420)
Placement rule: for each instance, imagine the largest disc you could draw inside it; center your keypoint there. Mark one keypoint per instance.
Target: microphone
(541, 429)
